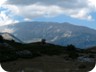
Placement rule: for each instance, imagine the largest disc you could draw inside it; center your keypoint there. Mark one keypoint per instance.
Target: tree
(43, 41)
(72, 52)
(71, 48)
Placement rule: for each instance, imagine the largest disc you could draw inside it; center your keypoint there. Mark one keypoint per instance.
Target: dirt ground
(47, 64)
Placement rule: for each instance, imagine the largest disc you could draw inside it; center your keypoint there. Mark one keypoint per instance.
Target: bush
(73, 55)
(91, 56)
(71, 48)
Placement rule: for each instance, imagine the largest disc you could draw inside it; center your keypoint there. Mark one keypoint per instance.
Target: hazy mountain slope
(8, 36)
(57, 33)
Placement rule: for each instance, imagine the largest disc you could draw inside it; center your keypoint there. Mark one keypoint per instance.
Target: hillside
(30, 50)
(92, 49)
(56, 33)
(43, 56)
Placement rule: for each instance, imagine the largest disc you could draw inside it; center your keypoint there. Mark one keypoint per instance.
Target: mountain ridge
(57, 33)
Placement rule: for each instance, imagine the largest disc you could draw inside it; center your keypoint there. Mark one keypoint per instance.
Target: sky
(78, 12)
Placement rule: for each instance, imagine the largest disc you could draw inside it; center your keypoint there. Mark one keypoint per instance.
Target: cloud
(61, 3)
(7, 14)
(82, 14)
(4, 19)
(71, 4)
(92, 3)
(35, 10)
(30, 9)
(2, 1)
(7, 30)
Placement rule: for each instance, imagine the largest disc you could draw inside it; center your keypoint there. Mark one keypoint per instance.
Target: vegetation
(31, 50)
(82, 66)
(72, 52)
(22, 55)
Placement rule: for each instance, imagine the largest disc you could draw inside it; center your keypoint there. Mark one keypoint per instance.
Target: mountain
(92, 49)
(53, 32)
(8, 36)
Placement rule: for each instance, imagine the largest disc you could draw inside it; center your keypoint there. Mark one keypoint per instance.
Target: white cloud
(2, 2)
(12, 9)
(7, 30)
(36, 10)
(30, 9)
(63, 3)
(4, 19)
(92, 3)
(82, 14)
(7, 15)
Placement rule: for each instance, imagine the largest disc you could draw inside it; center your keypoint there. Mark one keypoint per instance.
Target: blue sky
(62, 18)
(78, 12)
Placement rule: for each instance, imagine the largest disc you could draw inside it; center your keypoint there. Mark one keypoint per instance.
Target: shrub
(91, 56)
(71, 48)
(73, 55)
